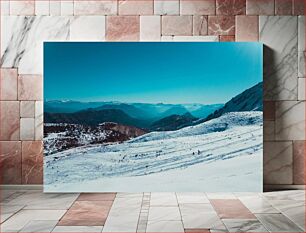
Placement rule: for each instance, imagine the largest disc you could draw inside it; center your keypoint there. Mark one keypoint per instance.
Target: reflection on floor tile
(96, 197)
(258, 205)
(242, 225)
(165, 226)
(278, 223)
(39, 226)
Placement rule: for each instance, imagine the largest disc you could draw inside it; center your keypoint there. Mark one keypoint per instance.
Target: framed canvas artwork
(146, 117)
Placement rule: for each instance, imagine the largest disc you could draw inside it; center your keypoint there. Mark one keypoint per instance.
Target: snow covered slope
(223, 152)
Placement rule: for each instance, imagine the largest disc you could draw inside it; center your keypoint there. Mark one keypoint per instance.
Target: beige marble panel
(290, 120)
(150, 28)
(9, 120)
(278, 163)
(8, 84)
(166, 7)
(176, 25)
(27, 129)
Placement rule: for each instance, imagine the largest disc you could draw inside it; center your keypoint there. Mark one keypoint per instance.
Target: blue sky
(150, 72)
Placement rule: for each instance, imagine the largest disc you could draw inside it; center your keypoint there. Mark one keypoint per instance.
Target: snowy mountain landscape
(136, 147)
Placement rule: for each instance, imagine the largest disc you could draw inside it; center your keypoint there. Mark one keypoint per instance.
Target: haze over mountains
(151, 117)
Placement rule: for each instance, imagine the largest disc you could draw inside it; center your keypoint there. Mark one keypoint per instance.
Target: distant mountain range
(151, 117)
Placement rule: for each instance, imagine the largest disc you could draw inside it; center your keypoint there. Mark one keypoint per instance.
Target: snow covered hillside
(223, 152)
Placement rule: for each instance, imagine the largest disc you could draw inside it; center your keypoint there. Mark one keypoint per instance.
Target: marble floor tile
(231, 209)
(161, 213)
(294, 210)
(278, 223)
(124, 195)
(6, 193)
(39, 200)
(96, 197)
(191, 198)
(297, 195)
(200, 216)
(8, 210)
(23, 217)
(74, 229)
(165, 226)
(124, 214)
(258, 205)
(86, 213)
(197, 230)
(237, 225)
(163, 199)
(221, 196)
(39, 226)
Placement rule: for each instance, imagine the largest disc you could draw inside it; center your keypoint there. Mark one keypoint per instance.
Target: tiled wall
(276, 23)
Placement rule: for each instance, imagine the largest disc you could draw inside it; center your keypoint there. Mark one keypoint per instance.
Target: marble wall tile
(269, 131)
(32, 162)
(301, 47)
(283, 7)
(166, 7)
(224, 38)
(221, 25)
(55, 8)
(290, 120)
(301, 89)
(279, 35)
(22, 40)
(200, 25)
(9, 120)
(22, 7)
(122, 28)
(203, 7)
(39, 120)
(8, 84)
(247, 28)
(42, 7)
(67, 7)
(135, 7)
(107, 7)
(278, 163)
(269, 110)
(298, 7)
(150, 28)
(27, 109)
(5, 7)
(191, 38)
(27, 129)
(299, 162)
(230, 7)
(176, 25)
(30, 87)
(260, 7)
(10, 162)
(87, 28)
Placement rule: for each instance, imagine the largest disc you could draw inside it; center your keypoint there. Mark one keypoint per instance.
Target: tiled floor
(33, 211)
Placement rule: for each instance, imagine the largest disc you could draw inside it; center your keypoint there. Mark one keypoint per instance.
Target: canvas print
(146, 117)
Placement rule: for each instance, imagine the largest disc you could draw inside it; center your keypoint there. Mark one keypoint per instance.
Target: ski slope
(223, 154)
